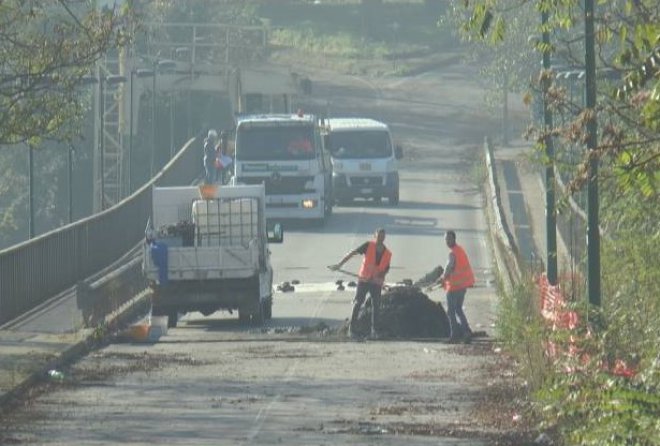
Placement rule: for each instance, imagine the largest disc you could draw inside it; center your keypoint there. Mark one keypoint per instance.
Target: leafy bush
(583, 395)
(338, 45)
(520, 327)
(584, 398)
(631, 282)
(590, 405)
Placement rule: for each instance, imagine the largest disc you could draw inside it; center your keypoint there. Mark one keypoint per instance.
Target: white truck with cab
(285, 152)
(206, 249)
(364, 160)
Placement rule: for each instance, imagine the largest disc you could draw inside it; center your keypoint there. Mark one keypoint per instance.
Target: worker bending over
(371, 277)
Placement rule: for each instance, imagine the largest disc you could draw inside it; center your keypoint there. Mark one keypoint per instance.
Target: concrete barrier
(504, 246)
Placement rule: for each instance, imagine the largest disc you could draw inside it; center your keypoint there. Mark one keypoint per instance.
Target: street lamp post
(184, 54)
(140, 73)
(103, 80)
(550, 211)
(172, 104)
(102, 139)
(71, 151)
(159, 66)
(31, 190)
(593, 234)
(130, 135)
(153, 123)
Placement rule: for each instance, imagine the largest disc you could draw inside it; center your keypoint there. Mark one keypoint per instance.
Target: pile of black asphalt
(405, 313)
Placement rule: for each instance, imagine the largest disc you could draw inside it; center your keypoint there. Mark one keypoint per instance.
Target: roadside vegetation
(578, 398)
(603, 385)
(47, 53)
(372, 38)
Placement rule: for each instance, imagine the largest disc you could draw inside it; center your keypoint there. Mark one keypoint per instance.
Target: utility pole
(30, 191)
(505, 108)
(152, 161)
(70, 180)
(550, 212)
(130, 134)
(593, 234)
(102, 139)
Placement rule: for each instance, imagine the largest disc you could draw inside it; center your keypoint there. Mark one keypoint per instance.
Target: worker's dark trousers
(374, 291)
(458, 328)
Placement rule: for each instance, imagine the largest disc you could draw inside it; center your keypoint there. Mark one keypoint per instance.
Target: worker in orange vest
(371, 277)
(457, 278)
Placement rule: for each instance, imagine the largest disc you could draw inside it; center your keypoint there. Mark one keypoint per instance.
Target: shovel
(343, 271)
(383, 286)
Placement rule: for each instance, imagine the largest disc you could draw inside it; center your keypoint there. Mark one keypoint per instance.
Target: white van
(364, 160)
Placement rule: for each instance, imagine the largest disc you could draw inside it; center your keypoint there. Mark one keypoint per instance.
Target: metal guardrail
(36, 270)
(506, 250)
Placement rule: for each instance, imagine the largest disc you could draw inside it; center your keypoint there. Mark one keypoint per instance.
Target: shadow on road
(293, 325)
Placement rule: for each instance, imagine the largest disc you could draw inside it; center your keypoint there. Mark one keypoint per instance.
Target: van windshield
(360, 144)
(275, 143)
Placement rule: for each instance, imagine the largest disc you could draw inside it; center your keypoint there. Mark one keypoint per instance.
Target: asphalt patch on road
(405, 313)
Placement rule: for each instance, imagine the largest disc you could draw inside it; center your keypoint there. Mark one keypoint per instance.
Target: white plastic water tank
(225, 221)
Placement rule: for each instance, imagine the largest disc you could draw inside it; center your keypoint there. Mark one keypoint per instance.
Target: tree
(47, 50)
(627, 111)
(506, 69)
(628, 42)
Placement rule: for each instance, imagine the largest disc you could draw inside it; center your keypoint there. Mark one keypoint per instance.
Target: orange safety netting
(555, 311)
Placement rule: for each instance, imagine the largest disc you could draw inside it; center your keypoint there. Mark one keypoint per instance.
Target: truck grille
(280, 185)
(366, 181)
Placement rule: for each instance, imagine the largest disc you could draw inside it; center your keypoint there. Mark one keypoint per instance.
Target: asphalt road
(210, 381)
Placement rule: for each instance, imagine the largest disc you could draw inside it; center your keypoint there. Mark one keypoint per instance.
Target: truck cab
(364, 160)
(285, 152)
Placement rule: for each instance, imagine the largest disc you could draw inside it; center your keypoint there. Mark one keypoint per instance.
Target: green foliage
(626, 204)
(593, 408)
(46, 50)
(631, 280)
(582, 395)
(356, 37)
(337, 45)
(520, 327)
(12, 197)
(627, 39)
(507, 65)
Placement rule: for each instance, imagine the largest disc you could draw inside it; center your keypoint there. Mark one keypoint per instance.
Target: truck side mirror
(398, 152)
(276, 234)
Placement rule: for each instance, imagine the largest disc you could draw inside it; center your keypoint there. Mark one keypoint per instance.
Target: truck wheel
(243, 316)
(258, 315)
(172, 319)
(267, 309)
(252, 315)
(394, 199)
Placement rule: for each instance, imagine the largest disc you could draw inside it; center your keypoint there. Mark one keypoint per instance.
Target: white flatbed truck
(206, 249)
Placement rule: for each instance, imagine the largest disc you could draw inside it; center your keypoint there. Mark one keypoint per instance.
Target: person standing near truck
(222, 161)
(210, 142)
(371, 277)
(457, 278)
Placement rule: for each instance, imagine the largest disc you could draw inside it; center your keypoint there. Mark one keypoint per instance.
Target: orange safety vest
(370, 269)
(462, 277)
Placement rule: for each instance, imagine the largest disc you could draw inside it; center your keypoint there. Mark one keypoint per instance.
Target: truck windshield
(360, 144)
(275, 143)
